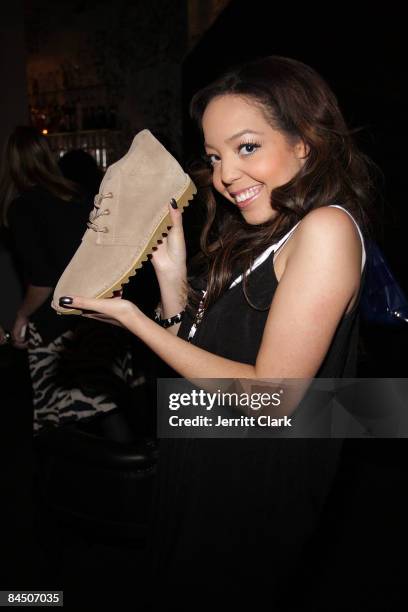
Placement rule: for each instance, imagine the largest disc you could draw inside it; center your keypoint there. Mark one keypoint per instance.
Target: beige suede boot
(129, 217)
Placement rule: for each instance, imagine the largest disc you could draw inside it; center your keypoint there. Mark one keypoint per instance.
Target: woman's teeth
(245, 195)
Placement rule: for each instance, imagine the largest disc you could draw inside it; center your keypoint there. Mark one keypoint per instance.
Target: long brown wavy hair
(296, 101)
(28, 162)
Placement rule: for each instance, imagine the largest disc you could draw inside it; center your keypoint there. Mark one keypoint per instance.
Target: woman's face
(249, 158)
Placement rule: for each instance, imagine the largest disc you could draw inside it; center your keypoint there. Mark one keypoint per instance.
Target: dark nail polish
(65, 301)
(173, 203)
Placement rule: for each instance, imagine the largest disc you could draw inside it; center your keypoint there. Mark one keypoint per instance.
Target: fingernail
(173, 203)
(65, 301)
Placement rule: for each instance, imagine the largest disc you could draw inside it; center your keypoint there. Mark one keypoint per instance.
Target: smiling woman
(273, 293)
(248, 170)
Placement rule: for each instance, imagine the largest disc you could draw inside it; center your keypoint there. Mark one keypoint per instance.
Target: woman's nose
(230, 172)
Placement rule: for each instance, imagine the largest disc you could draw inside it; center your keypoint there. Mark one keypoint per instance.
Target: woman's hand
(169, 257)
(112, 310)
(18, 334)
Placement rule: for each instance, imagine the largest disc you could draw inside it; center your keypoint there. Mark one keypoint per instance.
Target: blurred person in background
(81, 168)
(77, 371)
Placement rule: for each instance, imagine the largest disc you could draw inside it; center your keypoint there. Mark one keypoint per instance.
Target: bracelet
(5, 338)
(168, 322)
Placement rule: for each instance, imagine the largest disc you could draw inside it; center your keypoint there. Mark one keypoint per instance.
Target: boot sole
(182, 202)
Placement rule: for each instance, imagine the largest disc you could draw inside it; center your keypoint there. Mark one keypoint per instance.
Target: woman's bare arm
(320, 279)
(33, 299)
(169, 263)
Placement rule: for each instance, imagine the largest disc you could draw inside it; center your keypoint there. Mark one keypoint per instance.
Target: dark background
(361, 54)
(359, 50)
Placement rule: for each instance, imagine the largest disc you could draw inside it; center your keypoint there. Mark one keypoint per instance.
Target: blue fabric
(383, 301)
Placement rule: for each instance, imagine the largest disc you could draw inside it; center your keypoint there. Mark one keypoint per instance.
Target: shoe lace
(97, 212)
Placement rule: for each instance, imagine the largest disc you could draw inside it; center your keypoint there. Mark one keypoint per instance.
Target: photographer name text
(242, 421)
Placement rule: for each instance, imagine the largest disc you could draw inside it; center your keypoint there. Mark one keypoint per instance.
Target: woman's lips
(244, 204)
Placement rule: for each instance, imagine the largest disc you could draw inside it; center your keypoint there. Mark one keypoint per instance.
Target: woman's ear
(302, 150)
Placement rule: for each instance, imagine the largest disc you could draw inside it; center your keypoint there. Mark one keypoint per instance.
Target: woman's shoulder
(33, 207)
(29, 196)
(25, 204)
(332, 218)
(326, 234)
(329, 226)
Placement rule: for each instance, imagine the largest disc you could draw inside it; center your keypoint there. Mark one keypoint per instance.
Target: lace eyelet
(105, 230)
(106, 211)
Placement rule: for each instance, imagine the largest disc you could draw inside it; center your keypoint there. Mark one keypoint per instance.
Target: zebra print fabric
(80, 374)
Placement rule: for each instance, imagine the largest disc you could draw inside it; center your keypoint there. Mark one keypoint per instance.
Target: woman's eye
(250, 148)
(248, 145)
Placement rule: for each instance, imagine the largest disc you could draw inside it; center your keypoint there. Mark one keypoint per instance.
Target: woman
(75, 373)
(287, 196)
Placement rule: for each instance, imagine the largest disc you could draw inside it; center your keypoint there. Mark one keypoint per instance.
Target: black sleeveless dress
(233, 516)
